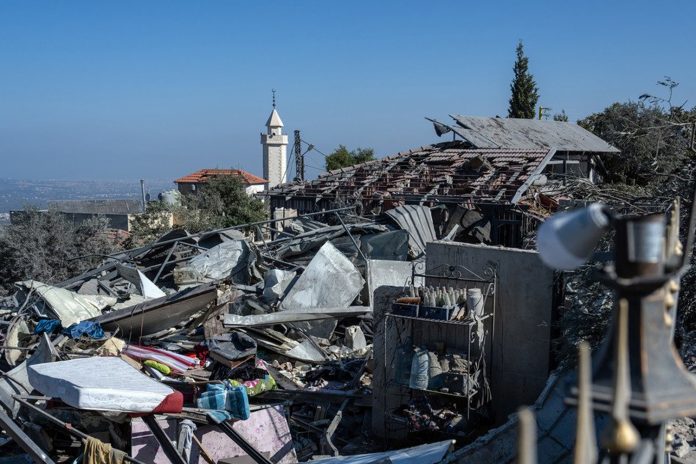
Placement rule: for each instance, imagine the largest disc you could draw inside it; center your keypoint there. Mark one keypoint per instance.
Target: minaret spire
(274, 149)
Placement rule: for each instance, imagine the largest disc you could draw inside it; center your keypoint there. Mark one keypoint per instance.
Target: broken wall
(522, 330)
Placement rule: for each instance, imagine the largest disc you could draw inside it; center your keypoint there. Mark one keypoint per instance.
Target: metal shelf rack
(459, 277)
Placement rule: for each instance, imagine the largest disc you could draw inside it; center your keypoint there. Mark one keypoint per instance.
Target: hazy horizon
(158, 89)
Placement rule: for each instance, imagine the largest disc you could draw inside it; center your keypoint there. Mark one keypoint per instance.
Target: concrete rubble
(171, 351)
(341, 338)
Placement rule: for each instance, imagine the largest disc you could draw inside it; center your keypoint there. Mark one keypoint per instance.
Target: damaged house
(482, 183)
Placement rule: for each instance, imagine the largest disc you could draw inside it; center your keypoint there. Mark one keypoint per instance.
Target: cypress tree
(524, 90)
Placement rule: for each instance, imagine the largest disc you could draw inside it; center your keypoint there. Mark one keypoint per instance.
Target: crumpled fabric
(89, 328)
(227, 401)
(184, 441)
(98, 452)
(47, 325)
(257, 386)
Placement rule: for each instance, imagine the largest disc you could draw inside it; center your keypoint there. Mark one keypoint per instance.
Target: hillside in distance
(17, 194)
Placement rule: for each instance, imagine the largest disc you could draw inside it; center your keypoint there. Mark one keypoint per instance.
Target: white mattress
(98, 383)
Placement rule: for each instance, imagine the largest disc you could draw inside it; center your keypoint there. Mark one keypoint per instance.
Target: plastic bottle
(419, 370)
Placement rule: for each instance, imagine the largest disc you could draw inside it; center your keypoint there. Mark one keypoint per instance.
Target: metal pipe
(166, 260)
(142, 194)
(167, 446)
(352, 239)
(64, 425)
(23, 440)
(135, 251)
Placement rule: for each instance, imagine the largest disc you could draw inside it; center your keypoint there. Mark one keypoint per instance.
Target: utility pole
(143, 203)
(299, 157)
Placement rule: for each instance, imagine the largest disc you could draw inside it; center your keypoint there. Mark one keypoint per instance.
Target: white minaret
(275, 144)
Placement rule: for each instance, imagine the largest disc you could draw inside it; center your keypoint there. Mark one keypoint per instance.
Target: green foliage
(341, 157)
(652, 140)
(147, 227)
(222, 202)
(523, 87)
(43, 245)
(562, 116)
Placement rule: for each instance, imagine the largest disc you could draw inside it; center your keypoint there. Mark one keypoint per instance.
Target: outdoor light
(567, 240)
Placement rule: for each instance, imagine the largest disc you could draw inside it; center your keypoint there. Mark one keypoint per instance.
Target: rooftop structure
(194, 181)
(528, 133)
(93, 207)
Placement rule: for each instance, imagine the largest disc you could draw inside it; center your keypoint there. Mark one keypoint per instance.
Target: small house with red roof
(192, 183)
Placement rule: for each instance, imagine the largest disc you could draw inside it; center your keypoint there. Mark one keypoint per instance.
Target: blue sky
(156, 89)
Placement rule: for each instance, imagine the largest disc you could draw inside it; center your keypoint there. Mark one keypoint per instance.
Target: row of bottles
(447, 297)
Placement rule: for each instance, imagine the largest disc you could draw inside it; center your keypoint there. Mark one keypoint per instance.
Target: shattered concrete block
(680, 447)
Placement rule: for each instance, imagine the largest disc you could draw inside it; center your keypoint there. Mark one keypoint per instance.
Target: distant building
(120, 213)
(275, 144)
(194, 182)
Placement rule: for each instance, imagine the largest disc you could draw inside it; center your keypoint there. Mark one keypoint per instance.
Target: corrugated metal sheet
(528, 133)
(418, 222)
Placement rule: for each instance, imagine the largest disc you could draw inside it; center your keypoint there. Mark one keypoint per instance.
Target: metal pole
(164, 263)
(64, 425)
(299, 158)
(23, 440)
(136, 251)
(167, 446)
(351, 238)
(142, 193)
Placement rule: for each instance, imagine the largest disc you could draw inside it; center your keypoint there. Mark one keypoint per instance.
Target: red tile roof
(202, 176)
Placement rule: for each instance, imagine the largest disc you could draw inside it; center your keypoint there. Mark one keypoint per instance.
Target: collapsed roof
(441, 171)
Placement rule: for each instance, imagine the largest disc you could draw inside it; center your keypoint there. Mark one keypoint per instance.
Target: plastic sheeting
(227, 259)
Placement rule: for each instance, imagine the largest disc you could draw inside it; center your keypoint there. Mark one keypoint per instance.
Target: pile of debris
(250, 341)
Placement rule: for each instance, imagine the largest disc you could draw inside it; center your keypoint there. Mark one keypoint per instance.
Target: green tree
(44, 246)
(524, 90)
(341, 157)
(148, 226)
(562, 116)
(653, 141)
(222, 202)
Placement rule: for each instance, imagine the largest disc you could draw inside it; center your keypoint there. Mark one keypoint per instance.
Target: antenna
(274, 98)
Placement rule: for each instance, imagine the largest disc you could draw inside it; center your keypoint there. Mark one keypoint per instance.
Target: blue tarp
(89, 328)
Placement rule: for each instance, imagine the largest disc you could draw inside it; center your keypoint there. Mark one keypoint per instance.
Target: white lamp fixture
(567, 240)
